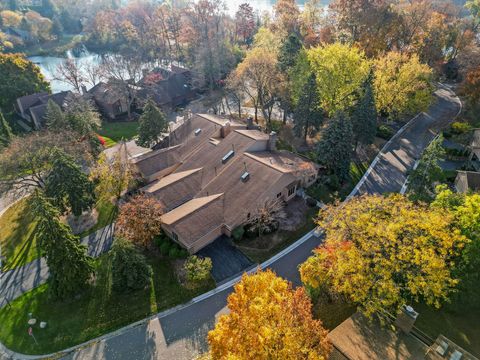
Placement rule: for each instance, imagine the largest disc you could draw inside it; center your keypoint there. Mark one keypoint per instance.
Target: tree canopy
(152, 124)
(19, 77)
(6, 134)
(402, 85)
(69, 265)
(384, 252)
(340, 70)
(268, 319)
(139, 220)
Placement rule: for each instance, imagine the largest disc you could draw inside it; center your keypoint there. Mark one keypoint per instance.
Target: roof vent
(228, 156)
(197, 132)
(245, 176)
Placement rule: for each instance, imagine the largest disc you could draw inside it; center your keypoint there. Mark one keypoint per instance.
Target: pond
(48, 65)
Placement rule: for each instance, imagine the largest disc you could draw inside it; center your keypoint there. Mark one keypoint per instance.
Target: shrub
(183, 254)
(385, 132)
(238, 233)
(130, 270)
(173, 253)
(165, 248)
(197, 269)
(459, 128)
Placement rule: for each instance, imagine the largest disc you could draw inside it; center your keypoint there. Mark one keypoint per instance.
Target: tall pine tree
(68, 186)
(69, 265)
(152, 124)
(308, 115)
(55, 118)
(364, 115)
(334, 150)
(5, 131)
(289, 52)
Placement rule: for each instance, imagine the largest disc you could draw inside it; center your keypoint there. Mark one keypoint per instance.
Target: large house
(470, 180)
(213, 174)
(167, 87)
(32, 108)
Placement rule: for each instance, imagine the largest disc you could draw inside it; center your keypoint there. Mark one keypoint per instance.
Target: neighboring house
(359, 338)
(474, 159)
(212, 175)
(467, 181)
(32, 108)
(111, 102)
(168, 87)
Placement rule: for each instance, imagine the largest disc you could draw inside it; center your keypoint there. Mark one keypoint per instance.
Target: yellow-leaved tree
(340, 71)
(402, 84)
(383, 252)
(268, 320)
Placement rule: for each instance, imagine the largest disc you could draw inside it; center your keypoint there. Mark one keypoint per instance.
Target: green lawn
(458, 321)
(113, 132)
(17, 232)
(17, 235)
(96, 312)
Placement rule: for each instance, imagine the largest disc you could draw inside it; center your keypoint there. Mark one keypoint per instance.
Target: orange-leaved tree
(382, 252)
(139, 220)
(268, 319)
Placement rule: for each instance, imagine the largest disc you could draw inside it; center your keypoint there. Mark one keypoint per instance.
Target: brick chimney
(225, 130)
(272, 141)
(406, 319)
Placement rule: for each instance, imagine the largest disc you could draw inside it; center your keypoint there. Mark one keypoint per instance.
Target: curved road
(180, 333)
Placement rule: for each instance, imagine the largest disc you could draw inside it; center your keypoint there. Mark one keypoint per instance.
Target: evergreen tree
(152, 124)
(364, 116)
(130, 270)
(289, 52)
(55, 118)
(5, 131)
(335, 148)
(308, 115)
(422, 180)
(68, 186)
(69, 265)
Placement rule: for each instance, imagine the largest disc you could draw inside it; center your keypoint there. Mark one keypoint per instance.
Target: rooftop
(169, 180)
(188, 208)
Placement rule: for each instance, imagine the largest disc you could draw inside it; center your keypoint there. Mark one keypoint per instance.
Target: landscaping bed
(262, 248)
(97, 311)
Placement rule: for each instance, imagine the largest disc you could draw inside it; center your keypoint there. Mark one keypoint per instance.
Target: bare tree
(70, 73)
(123, 75)
(267, 217)
(92, 73)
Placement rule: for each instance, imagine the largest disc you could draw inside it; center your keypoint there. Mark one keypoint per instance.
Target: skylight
(228, 156)
(245, 176)
(198, 131)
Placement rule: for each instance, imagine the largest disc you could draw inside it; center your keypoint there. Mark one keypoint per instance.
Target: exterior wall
(205, 240)
(461, 183)
(260, 145)
(162, 173)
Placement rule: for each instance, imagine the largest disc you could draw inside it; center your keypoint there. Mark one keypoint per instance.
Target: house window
(174, 236)
(279, 194)
(291, 191)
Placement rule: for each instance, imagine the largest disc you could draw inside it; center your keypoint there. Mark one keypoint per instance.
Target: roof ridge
(211, 198)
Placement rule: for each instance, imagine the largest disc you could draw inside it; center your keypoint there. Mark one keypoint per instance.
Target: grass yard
(96, 312)
(17, 232)
(17, 235)
(113, 132)
(459, 321)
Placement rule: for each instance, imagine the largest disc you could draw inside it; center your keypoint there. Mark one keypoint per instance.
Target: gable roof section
(188, 208)
(175, 189)
(154, 161)
(283, 161)
(29, 100)
(244, 197)
(210, 156)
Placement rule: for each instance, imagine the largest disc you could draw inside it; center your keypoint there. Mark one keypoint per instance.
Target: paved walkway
(20, 280)
(180, 333)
